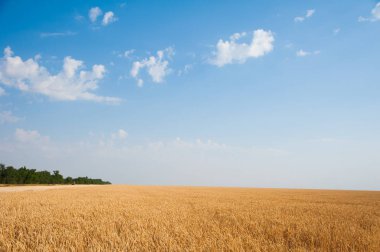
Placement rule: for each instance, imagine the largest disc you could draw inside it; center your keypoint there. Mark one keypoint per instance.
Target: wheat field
(152, 218)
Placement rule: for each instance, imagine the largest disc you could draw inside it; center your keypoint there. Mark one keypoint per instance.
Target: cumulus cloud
(309, 14)
(69, 84)
(94, 13)
(108, 18)
(231, 51)
(8, 117)
(157, 67)
(29, 136)
(302, 53)
(375, 15)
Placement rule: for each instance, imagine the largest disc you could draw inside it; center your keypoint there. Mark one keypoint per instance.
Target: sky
(215, 93)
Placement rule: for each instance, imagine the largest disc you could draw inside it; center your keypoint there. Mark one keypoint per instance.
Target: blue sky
(255, 93)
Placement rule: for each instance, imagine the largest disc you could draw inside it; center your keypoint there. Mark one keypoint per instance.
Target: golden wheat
(138, 218)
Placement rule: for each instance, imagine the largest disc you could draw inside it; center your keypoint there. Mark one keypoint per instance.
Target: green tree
(23, 175)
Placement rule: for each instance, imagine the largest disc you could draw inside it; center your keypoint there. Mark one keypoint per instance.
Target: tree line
(23, 175)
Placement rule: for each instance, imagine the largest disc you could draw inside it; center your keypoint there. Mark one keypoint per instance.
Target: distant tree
(69, 180)
(43, 177)
(31, 177)
(57, 178)
(10, 175)
(2, 173)
(23, 175)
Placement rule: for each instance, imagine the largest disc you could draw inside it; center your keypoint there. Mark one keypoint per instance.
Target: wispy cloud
(79, 18)
(336, 31)
(120, 134)
(29, 136)
(57, 34)
(309, 14)
(375, 15)
(233, 51)
(8, 117)
(185, 70)
(128, 53)
(303, 53)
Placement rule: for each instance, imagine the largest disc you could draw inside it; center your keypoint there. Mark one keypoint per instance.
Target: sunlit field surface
(142, 218)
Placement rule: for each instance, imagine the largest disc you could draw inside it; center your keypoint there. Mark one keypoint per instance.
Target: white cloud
(309, 14)
(299, 19)
(375, 15)
(230, 51)
(108, 18)
(120, 134)
(31, 136)
(8, 117)
(70, 66)
(2, 91)
(302, 53)
(69, 84)
(186, 69)
(78, 18)
(336, 31)
(157, 67)
(94, 13)
(8, 51)
(376, 11)
(127, 54)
